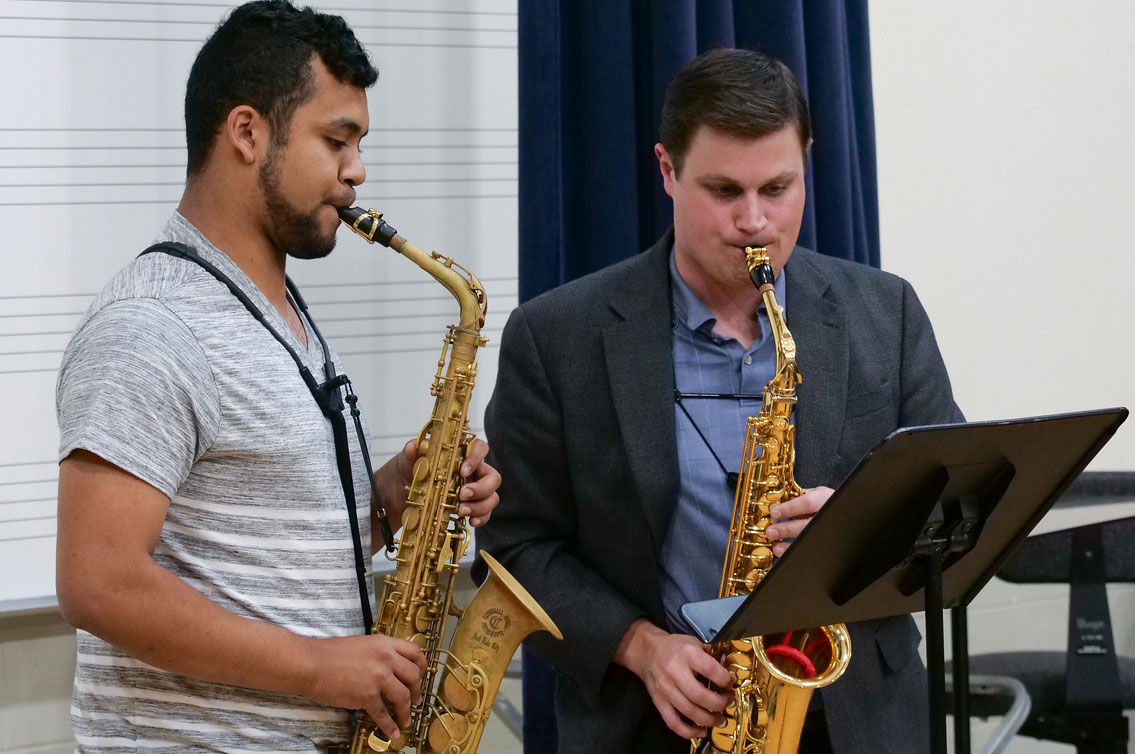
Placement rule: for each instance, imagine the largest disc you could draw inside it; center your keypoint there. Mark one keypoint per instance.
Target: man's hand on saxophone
(793, 515)
(376, 673)
(478, 494)
(675, 668)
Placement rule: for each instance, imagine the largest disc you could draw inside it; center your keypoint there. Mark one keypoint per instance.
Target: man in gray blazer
(614, 502)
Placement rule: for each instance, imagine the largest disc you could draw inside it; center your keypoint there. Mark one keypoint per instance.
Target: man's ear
(246, 132)
(666, 167)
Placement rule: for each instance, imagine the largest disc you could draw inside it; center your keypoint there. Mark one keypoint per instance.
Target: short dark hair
(261, 56)
(741, 92)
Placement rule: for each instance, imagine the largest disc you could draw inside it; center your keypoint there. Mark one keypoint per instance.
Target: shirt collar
(691, 312)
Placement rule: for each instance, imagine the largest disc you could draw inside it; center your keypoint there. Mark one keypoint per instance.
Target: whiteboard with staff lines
(92, 163)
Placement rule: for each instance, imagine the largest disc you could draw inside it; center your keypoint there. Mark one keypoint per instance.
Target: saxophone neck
(462, 284)
(760, 272)
(782, 338)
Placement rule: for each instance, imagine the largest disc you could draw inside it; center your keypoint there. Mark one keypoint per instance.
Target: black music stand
(922, 523)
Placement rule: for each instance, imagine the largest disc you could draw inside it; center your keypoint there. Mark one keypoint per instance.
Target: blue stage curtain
(593, 74)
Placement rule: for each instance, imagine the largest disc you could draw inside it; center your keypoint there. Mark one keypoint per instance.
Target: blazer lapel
(641, 372)
(820, 329)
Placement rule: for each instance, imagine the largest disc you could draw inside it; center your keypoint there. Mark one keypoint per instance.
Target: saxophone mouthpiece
(368, 223)
(760, 267)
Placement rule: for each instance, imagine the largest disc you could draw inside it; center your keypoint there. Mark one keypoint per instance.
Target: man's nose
(750, 218)
(353, 173)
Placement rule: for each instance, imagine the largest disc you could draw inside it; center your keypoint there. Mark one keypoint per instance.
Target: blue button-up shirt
(693, 553)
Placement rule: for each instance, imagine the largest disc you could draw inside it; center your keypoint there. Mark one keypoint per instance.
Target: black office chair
(1077, 697)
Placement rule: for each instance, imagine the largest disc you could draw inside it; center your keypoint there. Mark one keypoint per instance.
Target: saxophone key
(422, 466)
(423, 618)
(723, 734)
(761, 718)
(740, 664)
(445, 555)
(448, 733)
(410, 519)
(377, 743)
(458, 693)
(753, 577)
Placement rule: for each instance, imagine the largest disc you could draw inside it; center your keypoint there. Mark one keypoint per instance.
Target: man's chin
(314, 248)
(322, 251)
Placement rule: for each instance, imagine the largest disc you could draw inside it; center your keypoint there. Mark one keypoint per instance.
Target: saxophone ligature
(461, 681)
(775, 674)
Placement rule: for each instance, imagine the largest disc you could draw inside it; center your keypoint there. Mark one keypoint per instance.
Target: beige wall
(37, 664)
(1005, 196)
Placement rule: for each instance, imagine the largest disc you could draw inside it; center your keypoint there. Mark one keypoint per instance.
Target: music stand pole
(959, 635)
(935, 653)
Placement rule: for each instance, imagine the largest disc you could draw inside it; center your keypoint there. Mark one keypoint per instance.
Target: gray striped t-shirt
(171, 379)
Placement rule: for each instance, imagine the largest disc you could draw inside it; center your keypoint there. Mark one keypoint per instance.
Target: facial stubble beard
(295, 233)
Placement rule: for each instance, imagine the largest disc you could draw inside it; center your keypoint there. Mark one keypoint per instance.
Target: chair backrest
(1087, 557)
(1047, 558)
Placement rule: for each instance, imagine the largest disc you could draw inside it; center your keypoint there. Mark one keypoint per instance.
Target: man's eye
(337, 143)
(776, 190)
(723, 190)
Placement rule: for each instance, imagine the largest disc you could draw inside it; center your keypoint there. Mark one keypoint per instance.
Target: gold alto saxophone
(460, 682)
(776, 674)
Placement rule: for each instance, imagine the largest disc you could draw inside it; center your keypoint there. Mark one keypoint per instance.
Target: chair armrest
(1014, 717)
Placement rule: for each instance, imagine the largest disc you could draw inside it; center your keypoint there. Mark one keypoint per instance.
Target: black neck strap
(731, 477)
(329, 395)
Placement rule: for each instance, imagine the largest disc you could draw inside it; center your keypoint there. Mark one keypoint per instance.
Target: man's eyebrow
(350, 124)
(721, 178)
(783, 177)
(717, 178)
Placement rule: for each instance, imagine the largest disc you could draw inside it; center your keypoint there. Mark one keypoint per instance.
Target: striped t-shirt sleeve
(136, 389)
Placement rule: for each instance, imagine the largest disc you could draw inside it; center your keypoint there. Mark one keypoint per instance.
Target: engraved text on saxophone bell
(460, 681)
(776, 674)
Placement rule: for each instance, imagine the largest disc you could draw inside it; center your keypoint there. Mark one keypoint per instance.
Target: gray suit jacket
(582, 429)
